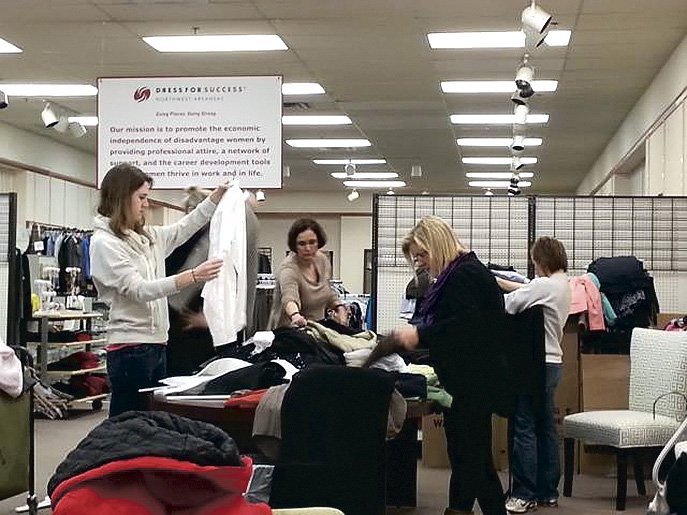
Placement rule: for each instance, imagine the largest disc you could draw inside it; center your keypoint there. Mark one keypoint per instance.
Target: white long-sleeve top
(553, 293)
(224, 303)
(129, 274)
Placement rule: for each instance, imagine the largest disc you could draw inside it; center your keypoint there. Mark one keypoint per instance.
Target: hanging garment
(11, 372)
(225, 297)
(587, 298)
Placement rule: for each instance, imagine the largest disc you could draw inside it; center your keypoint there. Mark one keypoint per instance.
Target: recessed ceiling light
(316, 120)
(374, 184)
(494, 86)
(86, 121)
(497, 160)
(49, 90)
(506, 39)
(328, 143)
(365, 175)
(301, 88)
(217, 43)
(497, 175)
(352, 161)
(497, 184)
(8, 48)
(495, 119)
(495, 142)
(558, 38)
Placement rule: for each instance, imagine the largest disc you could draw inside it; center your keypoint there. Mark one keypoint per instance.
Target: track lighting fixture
(77, 129)
(390, 192)
(514, 188)
(521, 111)
(536, 23)
(49, 116)
(349, 168)
(535, 19)
(516, 163)
(416, 171)
(518, 143)
(62, 124)
(522, 96)
(489, 193)
(353, 195)
(524, 76)
(260, 196)
(3, 100)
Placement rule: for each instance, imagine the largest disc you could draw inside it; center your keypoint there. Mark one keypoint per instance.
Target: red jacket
(157, 486)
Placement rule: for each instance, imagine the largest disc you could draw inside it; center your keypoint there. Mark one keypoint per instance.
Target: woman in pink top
(303, 292)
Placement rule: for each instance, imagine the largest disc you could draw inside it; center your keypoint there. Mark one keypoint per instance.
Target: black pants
(473, 476)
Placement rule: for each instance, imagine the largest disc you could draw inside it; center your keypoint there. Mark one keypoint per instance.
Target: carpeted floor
(592, 495)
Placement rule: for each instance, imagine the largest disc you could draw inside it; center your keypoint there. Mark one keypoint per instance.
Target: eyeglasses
(305, 243)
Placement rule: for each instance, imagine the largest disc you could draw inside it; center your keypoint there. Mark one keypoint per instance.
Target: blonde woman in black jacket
(460, 322)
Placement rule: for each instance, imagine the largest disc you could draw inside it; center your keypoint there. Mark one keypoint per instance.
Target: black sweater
(465, 342)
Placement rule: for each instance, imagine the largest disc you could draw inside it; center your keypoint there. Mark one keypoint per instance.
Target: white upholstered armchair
(657, 405)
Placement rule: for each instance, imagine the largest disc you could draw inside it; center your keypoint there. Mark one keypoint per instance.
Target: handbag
(14, 444)
(659, 505)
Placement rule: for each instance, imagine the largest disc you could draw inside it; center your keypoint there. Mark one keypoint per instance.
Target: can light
(497, 184)
(374, 184)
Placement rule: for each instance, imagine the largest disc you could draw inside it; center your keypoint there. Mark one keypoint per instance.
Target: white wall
(314, 202)
(356, 236)
(666, 88)
(631, 184)
(274, 231)
(42, 152)
(665, 149)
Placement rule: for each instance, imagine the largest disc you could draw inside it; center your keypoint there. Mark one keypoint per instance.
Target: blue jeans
(536, 462)
(132, 368)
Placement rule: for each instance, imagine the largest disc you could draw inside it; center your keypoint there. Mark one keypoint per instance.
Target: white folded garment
(212, 370)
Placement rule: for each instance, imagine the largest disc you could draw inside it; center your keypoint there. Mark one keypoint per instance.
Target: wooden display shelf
(71, 373)
(89, 399)
(65, 315)
(72, 344)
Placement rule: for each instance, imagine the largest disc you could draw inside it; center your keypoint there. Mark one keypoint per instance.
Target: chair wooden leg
(621, 486)
(639, 471)
(568, 465)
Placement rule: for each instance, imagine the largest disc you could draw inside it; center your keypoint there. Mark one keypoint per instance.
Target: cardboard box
(434, 454)
(499, 442)
(567, 399)
(605, 386)
(662, 319)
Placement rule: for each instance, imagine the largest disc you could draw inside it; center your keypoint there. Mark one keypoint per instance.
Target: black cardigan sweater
(466, 340)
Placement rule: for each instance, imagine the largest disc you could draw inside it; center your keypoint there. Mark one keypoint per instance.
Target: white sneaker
(515, 505)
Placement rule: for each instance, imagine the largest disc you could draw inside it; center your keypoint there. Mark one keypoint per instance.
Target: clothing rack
(30, 224)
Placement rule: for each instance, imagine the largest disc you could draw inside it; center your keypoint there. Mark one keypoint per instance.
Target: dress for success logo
(142, 94)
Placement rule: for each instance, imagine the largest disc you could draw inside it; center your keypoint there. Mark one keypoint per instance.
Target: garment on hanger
(225, 297)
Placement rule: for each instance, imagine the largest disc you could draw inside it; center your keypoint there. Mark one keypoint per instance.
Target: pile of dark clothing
(291, 344)
(296, 346)
(153, 462)
(629, 288)
(631, 293)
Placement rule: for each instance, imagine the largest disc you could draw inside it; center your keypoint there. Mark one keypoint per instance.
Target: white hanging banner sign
(193, 131)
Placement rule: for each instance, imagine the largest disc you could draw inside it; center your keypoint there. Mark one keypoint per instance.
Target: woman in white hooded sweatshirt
(128, 269)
